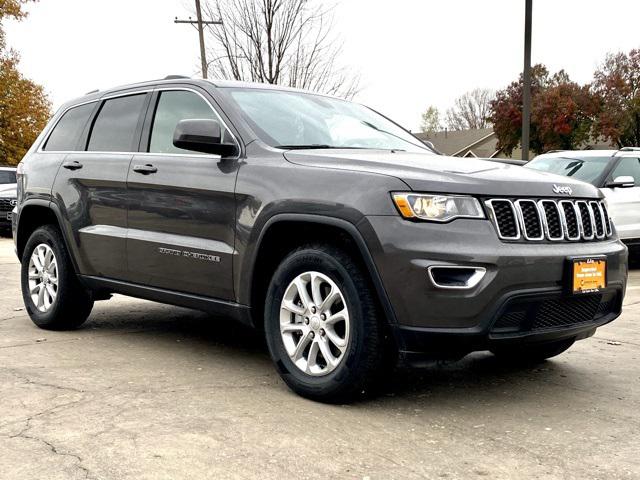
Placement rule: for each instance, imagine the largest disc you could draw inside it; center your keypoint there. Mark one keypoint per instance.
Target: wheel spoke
(334, 338)
(293, 327)
(336, 317)
(41, 293)
(302, 291)
(48, 256)
(41, 251)
(316, 282)
(51, 291)
(34, 276)
(36, 288)
(54, 280)
(302, 345)
(53, 267)
(326, 352)
(334, 295)
(312, 359)
(36, 263)
(292, 307)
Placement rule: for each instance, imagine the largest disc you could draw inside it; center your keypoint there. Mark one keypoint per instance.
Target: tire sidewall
(304, 261)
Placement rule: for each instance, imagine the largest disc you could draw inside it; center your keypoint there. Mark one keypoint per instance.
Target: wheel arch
(335, 231)
(33, 214)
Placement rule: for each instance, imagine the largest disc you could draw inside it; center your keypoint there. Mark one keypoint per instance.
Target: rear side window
(114, 129)
(628, 166)
(66, 134)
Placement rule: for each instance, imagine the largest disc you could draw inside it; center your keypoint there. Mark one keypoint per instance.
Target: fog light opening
(456, 277)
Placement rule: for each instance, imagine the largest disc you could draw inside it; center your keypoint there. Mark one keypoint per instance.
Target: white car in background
(615, 172)
(8, 189)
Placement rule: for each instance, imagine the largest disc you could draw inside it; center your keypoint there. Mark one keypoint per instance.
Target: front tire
(534, 353)
(52, 293)
(322, 325)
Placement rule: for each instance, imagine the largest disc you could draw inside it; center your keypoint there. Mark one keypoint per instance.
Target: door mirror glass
(202, 135)
(622, 181)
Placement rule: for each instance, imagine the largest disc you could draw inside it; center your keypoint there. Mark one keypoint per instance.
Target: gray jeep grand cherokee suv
(342, 236)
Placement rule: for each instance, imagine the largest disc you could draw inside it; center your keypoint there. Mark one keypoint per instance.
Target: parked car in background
(615, 172)
(7, 197)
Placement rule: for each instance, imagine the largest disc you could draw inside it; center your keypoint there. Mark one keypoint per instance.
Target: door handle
(145, 169)
(72, 165)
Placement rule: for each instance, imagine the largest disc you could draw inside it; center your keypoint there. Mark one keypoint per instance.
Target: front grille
(5, 205)
(523, 315)
(549, 219)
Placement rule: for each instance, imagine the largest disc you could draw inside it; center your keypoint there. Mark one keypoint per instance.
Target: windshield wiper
(314, 146)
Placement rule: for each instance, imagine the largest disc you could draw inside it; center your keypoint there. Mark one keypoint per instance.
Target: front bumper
(456, 322)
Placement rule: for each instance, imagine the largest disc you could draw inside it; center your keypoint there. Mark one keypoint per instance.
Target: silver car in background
(615, 172)
(8, 189)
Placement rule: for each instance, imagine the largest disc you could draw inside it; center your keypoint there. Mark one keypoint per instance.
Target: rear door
(90, 187)
(181, 204)
(624, 203)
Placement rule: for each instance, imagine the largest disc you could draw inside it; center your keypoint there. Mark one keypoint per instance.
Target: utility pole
(200, 25)
(526, 81)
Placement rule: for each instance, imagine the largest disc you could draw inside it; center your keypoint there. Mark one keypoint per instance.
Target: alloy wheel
(314, 323)
(43, 277)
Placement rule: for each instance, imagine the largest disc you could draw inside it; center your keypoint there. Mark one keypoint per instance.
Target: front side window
(587, 169)
(114, 129)
(174, 106)
(66, 134)
(628, 167)
(290, 119)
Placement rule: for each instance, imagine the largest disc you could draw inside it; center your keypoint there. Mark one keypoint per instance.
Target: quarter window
(174, 106)
(628, 166)
(66, 134)
(114, 129)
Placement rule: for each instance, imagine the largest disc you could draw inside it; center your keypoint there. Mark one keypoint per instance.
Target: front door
(181, 205)
(624, 202)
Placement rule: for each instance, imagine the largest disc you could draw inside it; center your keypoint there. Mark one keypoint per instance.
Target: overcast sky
(410, 53)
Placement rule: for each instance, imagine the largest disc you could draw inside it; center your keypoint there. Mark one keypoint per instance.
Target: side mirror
(202, 135)
(623, 181)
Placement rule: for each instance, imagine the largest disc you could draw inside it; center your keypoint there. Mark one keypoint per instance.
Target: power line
(526, 81)
(200, 23)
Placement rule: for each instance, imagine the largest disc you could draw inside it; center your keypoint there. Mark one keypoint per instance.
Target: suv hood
(441, 174)
(8, 189)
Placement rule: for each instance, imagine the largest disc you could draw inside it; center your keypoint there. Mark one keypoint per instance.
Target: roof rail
(93, 91)
(175, 77)
(630, 149)
(555, 151)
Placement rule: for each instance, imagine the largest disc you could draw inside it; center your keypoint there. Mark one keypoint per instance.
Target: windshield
(285, 119)
(7, 176)
(587, 169)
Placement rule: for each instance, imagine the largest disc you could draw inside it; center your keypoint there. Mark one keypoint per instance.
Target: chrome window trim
(546, 224)
(581, 223)
(520, 217)
(592, 205)
(140, 92)
(474, 279)
(565, 224)
(489, 203)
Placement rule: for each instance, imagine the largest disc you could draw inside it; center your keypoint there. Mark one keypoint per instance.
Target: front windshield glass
(287, 119)
(7, 176)
(587, 169)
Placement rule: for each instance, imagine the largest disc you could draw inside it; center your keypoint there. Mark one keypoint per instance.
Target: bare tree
(471, 110)
(284, 42)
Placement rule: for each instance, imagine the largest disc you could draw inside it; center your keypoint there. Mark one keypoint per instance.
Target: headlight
(437, 208)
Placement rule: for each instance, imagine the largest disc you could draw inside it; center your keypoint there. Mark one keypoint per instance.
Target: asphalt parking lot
(150, 391)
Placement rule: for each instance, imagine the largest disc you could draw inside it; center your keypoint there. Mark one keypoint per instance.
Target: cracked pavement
(147, 391)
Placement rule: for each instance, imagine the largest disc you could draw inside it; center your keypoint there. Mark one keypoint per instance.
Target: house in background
(479, 143)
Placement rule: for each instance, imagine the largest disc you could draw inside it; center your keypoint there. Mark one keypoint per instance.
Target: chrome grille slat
(553, 220)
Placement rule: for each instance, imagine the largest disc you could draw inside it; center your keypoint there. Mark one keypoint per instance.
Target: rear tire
(52, 293)
(534, 353)
(302, 329)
